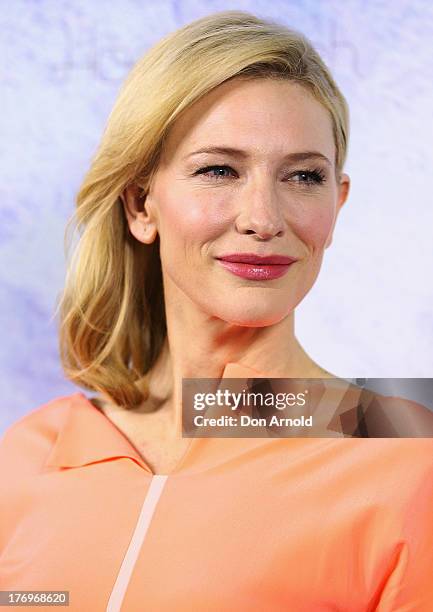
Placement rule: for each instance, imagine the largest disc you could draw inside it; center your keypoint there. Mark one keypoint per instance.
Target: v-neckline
(231, 370)
(179, 463)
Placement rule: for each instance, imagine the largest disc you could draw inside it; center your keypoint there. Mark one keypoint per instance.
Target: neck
(273, 350)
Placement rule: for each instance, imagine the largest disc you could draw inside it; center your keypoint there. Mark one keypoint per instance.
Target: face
(259, 197)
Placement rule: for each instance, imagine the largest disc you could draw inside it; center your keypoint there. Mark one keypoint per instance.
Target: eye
(309, 178)
(208, 172)
(306, 178)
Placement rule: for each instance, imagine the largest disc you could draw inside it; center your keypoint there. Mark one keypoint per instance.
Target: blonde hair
(112, 322)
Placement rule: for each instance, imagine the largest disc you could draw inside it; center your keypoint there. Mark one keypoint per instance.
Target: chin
(250, 315)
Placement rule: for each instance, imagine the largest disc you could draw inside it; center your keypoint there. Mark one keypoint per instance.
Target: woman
(227, 142)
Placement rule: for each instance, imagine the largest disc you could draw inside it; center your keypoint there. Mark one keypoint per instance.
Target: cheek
(187, 225)
(190, 220)
(313, 222)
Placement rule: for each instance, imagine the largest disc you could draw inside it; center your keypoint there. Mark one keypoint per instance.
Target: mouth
(255, 267)
(252, 258)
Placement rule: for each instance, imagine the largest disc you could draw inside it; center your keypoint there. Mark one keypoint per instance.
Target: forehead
(265, 116)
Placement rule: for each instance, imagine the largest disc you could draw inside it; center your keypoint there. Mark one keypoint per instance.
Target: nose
(260, 211)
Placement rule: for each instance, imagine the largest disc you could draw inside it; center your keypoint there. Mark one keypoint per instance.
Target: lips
(256, 267)
(252, 258)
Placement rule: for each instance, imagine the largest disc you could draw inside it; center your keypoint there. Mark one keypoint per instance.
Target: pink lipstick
(256, 267)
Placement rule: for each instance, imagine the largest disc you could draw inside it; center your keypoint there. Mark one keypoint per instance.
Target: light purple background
(62, 63)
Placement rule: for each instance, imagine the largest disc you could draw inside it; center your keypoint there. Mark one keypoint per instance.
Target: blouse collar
(88, 436)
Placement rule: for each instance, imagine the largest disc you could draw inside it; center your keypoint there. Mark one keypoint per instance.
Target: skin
(260, 204)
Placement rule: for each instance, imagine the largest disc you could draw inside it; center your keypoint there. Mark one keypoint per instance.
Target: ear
(139, 214)
(342, 193)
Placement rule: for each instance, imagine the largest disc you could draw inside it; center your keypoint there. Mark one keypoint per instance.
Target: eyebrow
(239, 153)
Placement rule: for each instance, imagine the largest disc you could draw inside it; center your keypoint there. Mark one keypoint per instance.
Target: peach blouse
(241, 524)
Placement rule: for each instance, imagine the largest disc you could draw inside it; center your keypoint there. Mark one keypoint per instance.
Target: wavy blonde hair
(112, 322)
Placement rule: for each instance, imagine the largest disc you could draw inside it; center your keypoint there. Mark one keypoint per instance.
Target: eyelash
(315, 176)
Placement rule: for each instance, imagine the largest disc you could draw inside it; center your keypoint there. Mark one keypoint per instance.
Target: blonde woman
(203, 220)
